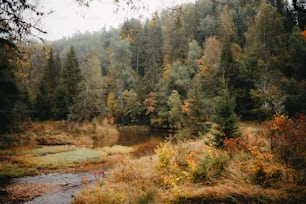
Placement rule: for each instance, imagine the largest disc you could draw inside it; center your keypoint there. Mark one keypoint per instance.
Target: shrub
(209, 164)
(265, 170)
(165, 152)
(288, 139)
(195, 162)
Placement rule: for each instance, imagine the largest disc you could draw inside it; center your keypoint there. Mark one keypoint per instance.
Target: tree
(300, 12)
(194, 51)
(8, 88)
(61, 103)
(175, 37)
(43, 103)
(153, 55)
(266, 36)
(175, 113)
(133, 32)
(71, 76)
(207, 27)
(226, 28)
(89, 102)
(15, 24)
(132, 106)
(197, 108)
(51, 74)
(225, 118)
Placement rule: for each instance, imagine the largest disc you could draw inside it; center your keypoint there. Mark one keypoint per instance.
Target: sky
(68, 18)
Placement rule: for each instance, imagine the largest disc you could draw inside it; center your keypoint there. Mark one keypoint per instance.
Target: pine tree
(8, 89)
(50, 75)
(61, 103)
(225, 118)
(197, 108)
(71, 76)
(89, 102)
(43, 103)
(175, 113)
(153, 55)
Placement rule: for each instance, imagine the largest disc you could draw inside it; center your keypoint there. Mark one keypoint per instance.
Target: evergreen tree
(71, 76)
(8, 88)
(175, 113)
(61, 103)
(198, 109)
(89, 102)
(153, 55)
(43, 103)
(225, 118)
(50, 75)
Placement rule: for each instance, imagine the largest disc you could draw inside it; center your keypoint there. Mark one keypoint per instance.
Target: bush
(265, 170)
(196, 163)
(288, 139)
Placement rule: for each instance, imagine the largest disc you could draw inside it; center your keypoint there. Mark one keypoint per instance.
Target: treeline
(183, 68)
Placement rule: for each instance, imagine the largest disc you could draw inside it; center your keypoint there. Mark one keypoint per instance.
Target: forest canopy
(197, 63)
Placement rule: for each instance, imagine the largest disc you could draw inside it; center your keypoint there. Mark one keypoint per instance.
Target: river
(70, 183)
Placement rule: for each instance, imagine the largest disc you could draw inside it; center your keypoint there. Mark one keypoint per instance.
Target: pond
(142, 139)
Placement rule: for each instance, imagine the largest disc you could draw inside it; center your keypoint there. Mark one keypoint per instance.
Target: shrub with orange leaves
(265, 171)
(303, 33)
(288, 138)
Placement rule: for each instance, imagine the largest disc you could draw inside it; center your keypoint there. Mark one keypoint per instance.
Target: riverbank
(190, 171)
(85, 148)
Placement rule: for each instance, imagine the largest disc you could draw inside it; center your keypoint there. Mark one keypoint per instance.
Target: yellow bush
(165, 152)
(265, 170)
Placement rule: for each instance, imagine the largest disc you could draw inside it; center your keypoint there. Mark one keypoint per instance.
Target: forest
(203, 68)
(177, 69)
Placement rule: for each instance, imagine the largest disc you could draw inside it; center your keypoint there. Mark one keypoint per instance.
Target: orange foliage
(150, 103)
(303, 33)
(288, 138)
(186, 107)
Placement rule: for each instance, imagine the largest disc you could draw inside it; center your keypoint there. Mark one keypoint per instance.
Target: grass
(117, 149)
(24, 162)
(44, 150)
(67, 159)
(9, 170)
(192, 172)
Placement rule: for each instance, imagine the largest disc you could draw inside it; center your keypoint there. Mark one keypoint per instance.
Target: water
(70, 183)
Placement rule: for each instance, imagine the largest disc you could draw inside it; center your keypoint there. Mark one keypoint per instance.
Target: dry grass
(25, 192)
(132, 181)
(249, 175)
(117, 149)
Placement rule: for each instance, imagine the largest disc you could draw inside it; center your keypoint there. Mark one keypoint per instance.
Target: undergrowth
(243, 171)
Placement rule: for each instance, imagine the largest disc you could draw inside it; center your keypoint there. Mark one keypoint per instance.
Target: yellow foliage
(167, 68)
(165, 152)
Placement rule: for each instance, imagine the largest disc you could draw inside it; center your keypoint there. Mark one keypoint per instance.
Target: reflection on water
(144, 140)
(135, 135)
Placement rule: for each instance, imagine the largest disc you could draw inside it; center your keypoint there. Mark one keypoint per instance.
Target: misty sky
(68, 17)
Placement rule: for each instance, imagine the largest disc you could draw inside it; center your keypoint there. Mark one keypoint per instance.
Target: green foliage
(132, 106)
(175, 113)
(196, 49)
(90, 100)
(43, 103)
(61, 103)
(8, 89)
(71, 75)
(225, 118)
(198, 109)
